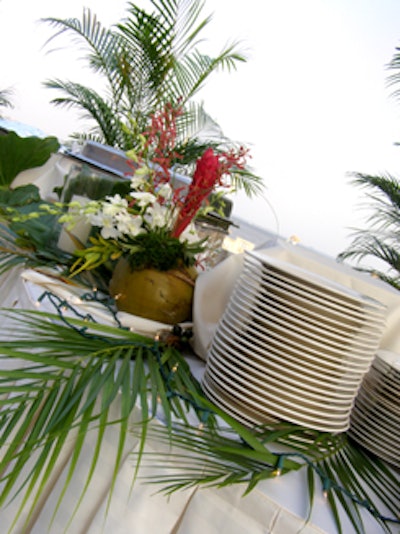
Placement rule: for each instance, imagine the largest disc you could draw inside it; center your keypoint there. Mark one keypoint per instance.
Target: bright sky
(312, 101)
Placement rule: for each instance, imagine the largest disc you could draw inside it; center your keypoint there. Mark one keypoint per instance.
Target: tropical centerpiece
(147, 238)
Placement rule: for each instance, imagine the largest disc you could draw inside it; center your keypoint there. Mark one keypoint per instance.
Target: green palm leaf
(75, 371)
(353, 479)
(5, 98)
(380, 240)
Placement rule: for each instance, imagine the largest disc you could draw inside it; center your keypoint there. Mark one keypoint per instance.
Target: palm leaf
(353, 479)
(104, 45)
(75, 370)
(5, 98)
(81, 97)
(380, 240)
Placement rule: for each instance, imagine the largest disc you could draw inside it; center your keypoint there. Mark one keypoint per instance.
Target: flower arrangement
(151, 229)
(153, 225)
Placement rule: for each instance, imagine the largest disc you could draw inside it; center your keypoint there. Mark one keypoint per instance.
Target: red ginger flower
(209, 171)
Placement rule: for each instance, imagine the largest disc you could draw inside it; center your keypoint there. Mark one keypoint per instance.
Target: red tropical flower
(210, 169)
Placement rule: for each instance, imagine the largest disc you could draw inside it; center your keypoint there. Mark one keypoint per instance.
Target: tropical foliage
(381, 239)
(150, 58)
(68, 388)
(5, 99)
(21, 153)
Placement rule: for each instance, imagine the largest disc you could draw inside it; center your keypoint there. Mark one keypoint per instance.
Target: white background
(312, 101)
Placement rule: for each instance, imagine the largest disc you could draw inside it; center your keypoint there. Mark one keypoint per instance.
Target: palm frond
(191, 73)
(75, 370)
(387, 185)
(380, 240)
(81, 97)
(354, 481)
(104, 46)
(5, 98)
(367, 245)
(146, 60)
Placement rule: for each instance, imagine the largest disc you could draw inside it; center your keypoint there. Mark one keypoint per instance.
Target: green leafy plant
(21, 153)
(29, 231)
(146, 60)
(351, 479)
(5, 98)
(380, 240)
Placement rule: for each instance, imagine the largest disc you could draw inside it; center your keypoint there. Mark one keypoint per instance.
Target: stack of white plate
(375, 420)
(292, 346)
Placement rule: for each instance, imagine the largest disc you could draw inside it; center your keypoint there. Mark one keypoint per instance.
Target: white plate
(331, 290)
(246, 417)
(382, 385)
(375, 445)
(282, 304)
(313, 313)
(263, 310)
(375, 448)
(382, 389)
(387, 374)
(280, 397)
(263, 337)
(299, 369)
(319, 301)
(381, 435)
(379, 429)
(389, 360)
(278, 402)
(303, 361)
(291, 339)
(308, 372)
(375, 409)
(266, 368)
(253, 415)
(263, 414)
(287, 381)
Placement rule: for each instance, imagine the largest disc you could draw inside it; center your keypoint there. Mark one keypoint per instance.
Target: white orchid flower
(157, 216)
(114, 205)
(96, 218)
(129, 224)
(139, 180)
(109, 230)
(144, 199)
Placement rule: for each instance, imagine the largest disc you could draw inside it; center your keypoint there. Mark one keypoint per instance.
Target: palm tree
(381, 240)
(147, 60)
(5, 99)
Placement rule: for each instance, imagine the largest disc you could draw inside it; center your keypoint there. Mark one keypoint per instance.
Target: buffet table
(276, 506)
